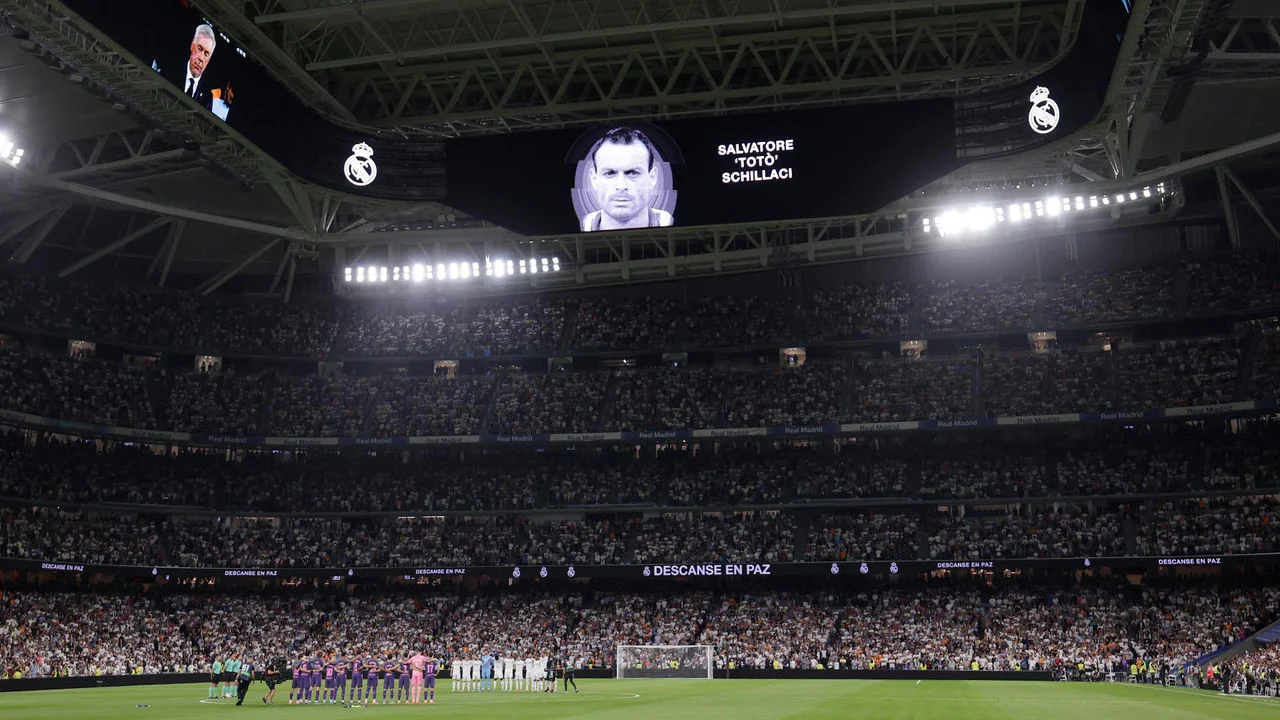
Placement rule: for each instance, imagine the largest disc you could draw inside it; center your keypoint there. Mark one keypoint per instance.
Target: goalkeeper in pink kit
(422, 671)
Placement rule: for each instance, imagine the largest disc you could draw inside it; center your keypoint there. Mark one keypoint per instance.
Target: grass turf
(683, 699)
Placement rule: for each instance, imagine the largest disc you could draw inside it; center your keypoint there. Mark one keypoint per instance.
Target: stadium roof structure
(111, 145)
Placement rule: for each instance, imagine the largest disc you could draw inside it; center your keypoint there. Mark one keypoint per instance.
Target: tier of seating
(961, 469)
(1201, 526)
(451, 329)
(856, 389)
(1050, 628)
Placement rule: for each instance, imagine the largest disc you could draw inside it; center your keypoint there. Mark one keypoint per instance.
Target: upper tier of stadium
(666, 320)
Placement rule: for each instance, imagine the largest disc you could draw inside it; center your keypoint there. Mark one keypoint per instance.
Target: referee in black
(242, 681)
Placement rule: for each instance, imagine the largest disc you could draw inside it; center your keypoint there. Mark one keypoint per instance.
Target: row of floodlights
(978, 218)
(422, 272)
(9, 151)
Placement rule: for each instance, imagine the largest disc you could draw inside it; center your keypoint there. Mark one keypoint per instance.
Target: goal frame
(620, 668)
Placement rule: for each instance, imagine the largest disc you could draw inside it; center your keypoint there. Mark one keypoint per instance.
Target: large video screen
(201, 60)
(741, 168)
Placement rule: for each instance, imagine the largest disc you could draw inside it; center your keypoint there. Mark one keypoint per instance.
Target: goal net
(664, 661)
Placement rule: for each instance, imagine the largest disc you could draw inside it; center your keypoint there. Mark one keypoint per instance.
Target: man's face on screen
(201, 51)
(622, 180)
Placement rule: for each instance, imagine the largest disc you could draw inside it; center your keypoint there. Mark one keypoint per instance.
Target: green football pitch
(686, 699)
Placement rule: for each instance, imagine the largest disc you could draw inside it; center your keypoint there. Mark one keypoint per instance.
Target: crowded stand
(1238, 281)
(957, 307)
(551, 402)
(810, 394)
(859, 536)
(980, 473)
(1061, 381)
(1088, 297)
(568, 542)
(632, 619)
(740, 321)
(605, 325)
(854, 472)
(1227, 525)
(141, 316)
(663, 398)
(430, 405)
(397, 331)
(855, 311)
(515, 329)
(256, 328)
(730, 537)
(890, 391)
(58, 634)
(97, 392)
(1177, 374)
(1104, 628)
(227, 404)
(754, 629)
(56, 535)
(1264, 381)
(1187, 487)
(1064, 531)
(1120, 462)
(315, 406)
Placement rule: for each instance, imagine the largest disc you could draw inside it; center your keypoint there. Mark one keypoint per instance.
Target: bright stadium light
(462, 270)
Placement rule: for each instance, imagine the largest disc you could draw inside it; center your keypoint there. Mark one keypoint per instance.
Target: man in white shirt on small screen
(623, 177)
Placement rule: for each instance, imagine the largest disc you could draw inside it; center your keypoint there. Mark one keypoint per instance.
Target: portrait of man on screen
(189, 72)
(623, 182)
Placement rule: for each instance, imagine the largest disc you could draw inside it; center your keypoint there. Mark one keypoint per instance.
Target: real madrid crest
(360, 168)
(1044, 115)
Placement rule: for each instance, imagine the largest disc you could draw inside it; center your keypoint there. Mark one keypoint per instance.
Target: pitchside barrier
(67, 683)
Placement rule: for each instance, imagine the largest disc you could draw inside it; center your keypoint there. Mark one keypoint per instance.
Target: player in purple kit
(370, 665)
(340, 666)
(330, 682)
(314, 688)
(300, 678)
(402, 687)
(390, 673)
(429, 671)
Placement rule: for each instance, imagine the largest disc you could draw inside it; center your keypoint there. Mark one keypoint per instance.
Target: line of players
(510, 674)
(321, 681)
(338, 680)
